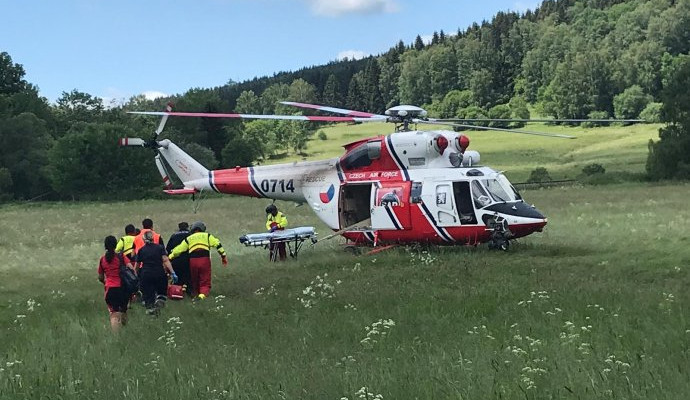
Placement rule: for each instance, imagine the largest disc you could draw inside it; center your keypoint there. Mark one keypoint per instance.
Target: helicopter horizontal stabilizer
(181, 191)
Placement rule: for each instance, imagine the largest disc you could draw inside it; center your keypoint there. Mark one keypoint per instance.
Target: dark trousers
(181, 267)
(153, 285)
(275, 250)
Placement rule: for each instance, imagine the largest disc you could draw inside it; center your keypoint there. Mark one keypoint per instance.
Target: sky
(118, 49)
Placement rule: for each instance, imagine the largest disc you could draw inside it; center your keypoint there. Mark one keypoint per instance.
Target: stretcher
(294, 238)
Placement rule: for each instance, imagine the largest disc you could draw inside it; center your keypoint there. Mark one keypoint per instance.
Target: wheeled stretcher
(294, 238)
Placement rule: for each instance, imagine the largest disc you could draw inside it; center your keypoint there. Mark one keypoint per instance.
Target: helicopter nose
(519, 209)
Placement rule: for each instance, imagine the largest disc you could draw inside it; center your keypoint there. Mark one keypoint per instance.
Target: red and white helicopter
(410, 186)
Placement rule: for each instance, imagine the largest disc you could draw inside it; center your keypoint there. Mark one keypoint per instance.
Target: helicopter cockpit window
(497, 190)
(479, 195)
(362, 155)
(508, 187)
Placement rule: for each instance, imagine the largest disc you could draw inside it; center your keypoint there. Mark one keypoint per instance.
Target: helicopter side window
(496, 190)
(479, 195)
(362, 155)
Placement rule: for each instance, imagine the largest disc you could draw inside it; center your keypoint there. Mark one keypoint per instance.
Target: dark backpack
(129, 281)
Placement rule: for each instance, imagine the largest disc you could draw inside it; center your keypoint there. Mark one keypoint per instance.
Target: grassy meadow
(595, 307)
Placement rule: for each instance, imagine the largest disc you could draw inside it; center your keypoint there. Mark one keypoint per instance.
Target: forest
(565, 59)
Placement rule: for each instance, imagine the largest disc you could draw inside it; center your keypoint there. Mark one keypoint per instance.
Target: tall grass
(595, 307)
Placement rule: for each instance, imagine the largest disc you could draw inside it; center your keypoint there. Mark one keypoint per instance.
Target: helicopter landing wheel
(499, 244)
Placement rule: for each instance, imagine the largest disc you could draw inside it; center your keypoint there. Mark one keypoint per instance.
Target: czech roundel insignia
(327, 196)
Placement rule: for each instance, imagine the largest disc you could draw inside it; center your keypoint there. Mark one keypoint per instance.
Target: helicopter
(410, 186)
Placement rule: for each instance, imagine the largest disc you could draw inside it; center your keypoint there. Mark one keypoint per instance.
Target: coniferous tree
(670, 156)
(373, 101)
(418, 43)
(355, 93)
(331, 92)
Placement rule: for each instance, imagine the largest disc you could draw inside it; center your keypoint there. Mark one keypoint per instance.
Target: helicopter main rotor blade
(488, 128)
(535, 120)
(352, 113)
(256, 116)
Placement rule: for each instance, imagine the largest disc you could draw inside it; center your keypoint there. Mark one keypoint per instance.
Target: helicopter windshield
(496, 190)
(500, 189)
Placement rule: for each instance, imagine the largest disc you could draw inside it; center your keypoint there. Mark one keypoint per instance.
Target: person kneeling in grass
(109, 275)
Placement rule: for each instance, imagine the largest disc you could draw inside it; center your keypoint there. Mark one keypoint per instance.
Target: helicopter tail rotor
(164, 119)
(132, 142)
(164, 172)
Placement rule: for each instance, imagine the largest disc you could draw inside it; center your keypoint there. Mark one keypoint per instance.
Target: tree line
(566, 59)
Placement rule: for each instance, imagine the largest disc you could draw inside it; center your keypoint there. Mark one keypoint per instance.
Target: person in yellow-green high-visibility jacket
(276, 221)
(126, 243)
(198, 244)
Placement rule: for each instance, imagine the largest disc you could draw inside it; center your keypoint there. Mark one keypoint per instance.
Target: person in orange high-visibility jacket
(126, 243)
(276, 221)
(198, 245)
(147, 225)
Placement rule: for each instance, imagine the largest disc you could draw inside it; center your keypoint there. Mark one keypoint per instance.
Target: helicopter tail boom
(189, 170)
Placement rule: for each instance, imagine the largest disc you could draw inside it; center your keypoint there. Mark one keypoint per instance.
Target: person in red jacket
(109, 274)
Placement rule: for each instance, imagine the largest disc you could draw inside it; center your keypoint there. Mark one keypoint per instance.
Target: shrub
(651, 113)
(593, 169)
(539, 175)
(322, 135)
(631, 102)
(501, 111)
(595, 115)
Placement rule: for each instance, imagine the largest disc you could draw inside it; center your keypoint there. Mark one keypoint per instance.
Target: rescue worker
(153, 264)
(181, 263)
(147, 225)
(126, 243)
(276, 221)
(109, 275)
(198, 245)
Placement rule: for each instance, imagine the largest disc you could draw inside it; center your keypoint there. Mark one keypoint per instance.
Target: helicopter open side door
(390, 206)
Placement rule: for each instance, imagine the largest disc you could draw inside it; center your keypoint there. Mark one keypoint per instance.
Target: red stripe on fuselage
(234, 181)
(423, 232)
